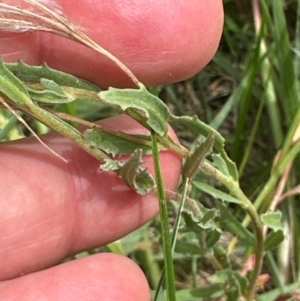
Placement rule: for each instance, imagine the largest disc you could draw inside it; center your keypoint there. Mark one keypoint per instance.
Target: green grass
(249, 93)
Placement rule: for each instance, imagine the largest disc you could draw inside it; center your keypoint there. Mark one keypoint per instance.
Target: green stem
(183, 197)
(66, 130)
(165, 232)
(165, 140)
(258, 226)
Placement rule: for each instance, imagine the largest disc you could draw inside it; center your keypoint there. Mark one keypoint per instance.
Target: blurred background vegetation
(250, 94)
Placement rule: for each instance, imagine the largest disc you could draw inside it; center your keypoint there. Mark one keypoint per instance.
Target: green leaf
(209, 291)
(273, 239)
(272, 220)
(111, 165)
(116, 145)
(227, 281)
(233, 293)
(54, 93)
(27, 73)
(194, 161)
(200, 127)
(52, 86)
(218, 194)
(221, 255)
(181, 295)
(203, 222)
(140, 100)
(187, 247)
(212, 237)
(220, 164)
(231, 224)
(12, 87)
(131, 172)
(231, 280)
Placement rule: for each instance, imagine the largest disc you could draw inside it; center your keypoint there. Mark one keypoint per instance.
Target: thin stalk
(255, 128)
(288, 154)
(268, 84)
(16, 114)
(297, 44)
(164, 222)
(161, 284)
(66, 130)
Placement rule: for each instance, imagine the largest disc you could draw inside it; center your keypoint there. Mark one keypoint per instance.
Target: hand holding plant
(52, 209)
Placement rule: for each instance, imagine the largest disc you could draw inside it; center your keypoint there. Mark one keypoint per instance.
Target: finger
(50, 209)
(160, 41)
(97, 277)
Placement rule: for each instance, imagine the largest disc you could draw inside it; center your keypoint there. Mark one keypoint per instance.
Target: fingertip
(103, 276)
(160, 42)
(58, 209)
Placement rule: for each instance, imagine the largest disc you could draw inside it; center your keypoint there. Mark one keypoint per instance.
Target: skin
(50, 209)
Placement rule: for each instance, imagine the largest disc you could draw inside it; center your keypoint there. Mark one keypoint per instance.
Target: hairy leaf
(53, 93)
(12, 87)
(194, 161)
(200, 127)
(27, 73)
(131, 172)
(116, 145)
(205, 223)
(272, 220)
(220, 164)
(142, 101)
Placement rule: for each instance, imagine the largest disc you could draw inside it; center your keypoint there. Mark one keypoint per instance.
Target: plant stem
(183, 197)
(165, 232)
(258, 226)
(66, 130)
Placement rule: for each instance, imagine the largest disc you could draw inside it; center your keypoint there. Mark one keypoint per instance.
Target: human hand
(49, 209)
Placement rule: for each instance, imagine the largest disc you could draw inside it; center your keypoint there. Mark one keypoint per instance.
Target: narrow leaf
(194, 161)
(212, 237)
(27, 73)
(231, 224)
(200, 127)
(142, 101)
(52, 86)
(186, 247)
(218, 194)
(55, 96)
(273, 239)
(12, 87)
(207, 292)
